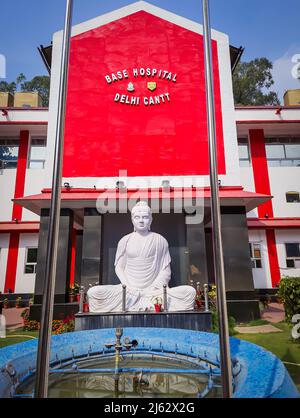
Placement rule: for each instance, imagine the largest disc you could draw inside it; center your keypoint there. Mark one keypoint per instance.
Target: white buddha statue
(142, 264)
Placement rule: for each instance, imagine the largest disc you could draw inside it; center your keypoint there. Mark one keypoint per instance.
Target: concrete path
(260, 329)
(274, 313)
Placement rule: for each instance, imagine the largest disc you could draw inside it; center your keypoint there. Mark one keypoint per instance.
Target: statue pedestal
(193, 320)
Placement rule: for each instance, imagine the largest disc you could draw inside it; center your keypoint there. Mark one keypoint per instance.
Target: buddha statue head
(141, 216)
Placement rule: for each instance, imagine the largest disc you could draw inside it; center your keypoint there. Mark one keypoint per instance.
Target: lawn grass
(17, 336)
(254, 323)
(282, 345)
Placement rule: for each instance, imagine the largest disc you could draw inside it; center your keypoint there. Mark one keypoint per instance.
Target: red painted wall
(73, 257)
(262, 185)
(103, 137)
(273, 257)
(260, 169)
(21, 173)
(12, 262)
(13, 252)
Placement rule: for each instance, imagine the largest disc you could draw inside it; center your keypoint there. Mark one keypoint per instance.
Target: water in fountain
(142, 375)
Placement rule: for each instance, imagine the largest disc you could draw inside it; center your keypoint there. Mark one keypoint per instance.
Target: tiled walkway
(13, 318)
(274, 313)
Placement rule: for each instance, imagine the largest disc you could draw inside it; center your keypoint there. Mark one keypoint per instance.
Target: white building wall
(283, 180)
(35, 182)
(25, 115)
(286, 236)
(25, 282)
(4, 244)
(262, 276)
(7, 188)
(267, 114)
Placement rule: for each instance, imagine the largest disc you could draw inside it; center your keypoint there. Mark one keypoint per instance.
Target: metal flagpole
(43, 357)
(215, 210)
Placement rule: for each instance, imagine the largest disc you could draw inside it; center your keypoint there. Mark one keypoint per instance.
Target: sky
(265, 28)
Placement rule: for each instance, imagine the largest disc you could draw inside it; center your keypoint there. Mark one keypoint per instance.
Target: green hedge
(289, 292)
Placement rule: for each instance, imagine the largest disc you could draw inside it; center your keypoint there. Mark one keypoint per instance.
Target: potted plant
(18, 302)
(76, 288)
(25, 316)
(157, 303)
(74, 295)
(86, 308)
(212, 297)
(5, 303)
(199, 299)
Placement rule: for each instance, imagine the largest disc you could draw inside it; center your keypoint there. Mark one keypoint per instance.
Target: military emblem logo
(151, 86)
(130, 87)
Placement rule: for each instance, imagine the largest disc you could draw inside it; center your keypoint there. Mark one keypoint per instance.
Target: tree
(8, 87)
(252, 82)
(39, 84)
(13, 86)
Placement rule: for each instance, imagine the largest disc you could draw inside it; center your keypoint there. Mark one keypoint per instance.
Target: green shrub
(289, 293)
(215, 324)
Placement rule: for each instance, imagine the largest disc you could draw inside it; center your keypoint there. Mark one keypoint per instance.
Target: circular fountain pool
(163, 363)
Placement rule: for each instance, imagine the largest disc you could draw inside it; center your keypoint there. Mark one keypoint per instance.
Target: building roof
(284, 223)
(82, 198)
(46, 51)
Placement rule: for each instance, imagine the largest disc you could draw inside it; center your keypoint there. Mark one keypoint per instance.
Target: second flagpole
(215, 210)
(44, 346)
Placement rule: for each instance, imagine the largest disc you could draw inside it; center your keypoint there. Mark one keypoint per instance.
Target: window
(283, 152)
(9, 150)
(292, 197)
(244, 154)
(292, 255)
(37, 156)
(255, 254)
(30, 260)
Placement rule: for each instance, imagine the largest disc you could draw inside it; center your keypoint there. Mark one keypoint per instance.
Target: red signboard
(136, 101)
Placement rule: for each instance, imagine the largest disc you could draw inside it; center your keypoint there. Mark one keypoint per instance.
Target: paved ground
(13, 318)
(260, 329)
(274, 313)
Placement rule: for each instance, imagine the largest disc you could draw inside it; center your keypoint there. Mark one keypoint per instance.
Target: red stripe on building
(260, 170)
(21, 173)
(273, 257)
(12, 262)
(262, 185)
(73, 257)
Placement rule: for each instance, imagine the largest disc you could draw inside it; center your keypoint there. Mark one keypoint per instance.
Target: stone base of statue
(192, 320)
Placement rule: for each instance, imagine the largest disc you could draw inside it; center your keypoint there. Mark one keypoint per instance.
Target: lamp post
(43, 356)
(215, 210)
